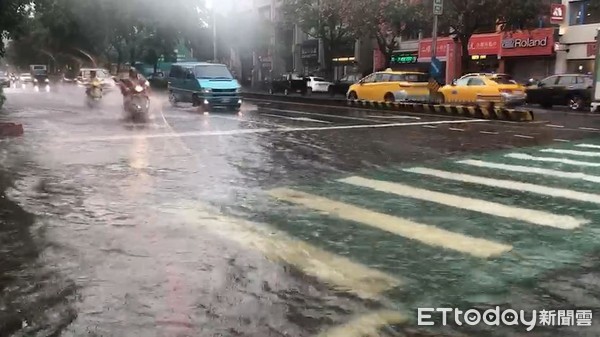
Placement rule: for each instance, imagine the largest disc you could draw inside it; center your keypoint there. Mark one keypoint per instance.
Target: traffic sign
(438, 7)
(436, 68)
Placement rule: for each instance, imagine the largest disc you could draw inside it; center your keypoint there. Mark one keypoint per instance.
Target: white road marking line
(523, 136)
(301, 119)
(509, 185)
(589, 146)
(395, 117)
(430, 126)
(489, 132)
(555, 126)
(532, 170)
(262, 130)
(323, 115)
(524, 156)
(476, 205)
(338, 271)
(562, 140)
(588, 129)
(429, 235)
(572, 152)
(247, 121)
(366, 325)
(456, 129)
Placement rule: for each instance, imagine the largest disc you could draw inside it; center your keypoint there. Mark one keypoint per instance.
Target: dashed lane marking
(588, 129)
(562, 140)
(430, 126)
(572, 152)
(532, 170)
(476, 205)
(589, 146)
(339, 272)
(509, 185)
(429, 235)
(523, 136)
(366, 325)
(555, 126)
(524, 156)
(264, 130)
(456, 129)
(395, 117)
(489, 133)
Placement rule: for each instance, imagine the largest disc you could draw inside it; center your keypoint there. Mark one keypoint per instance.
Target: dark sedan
(341, 86)
(572, 90)
(4, 80)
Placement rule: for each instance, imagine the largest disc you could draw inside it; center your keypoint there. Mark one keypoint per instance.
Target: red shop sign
(537, 42)
(591, 49)
(484, 44)
(557, 13)
(442, 47)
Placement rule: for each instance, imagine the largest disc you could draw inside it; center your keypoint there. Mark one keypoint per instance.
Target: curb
(453, 110)
(11, 130)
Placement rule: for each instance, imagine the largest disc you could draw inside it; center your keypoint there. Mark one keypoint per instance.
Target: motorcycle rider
(94, 82)
(128, 85)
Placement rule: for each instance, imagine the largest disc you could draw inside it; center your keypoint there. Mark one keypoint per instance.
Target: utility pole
(215, 51)
(438, 8)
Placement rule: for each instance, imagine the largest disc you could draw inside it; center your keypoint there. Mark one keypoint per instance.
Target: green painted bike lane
(435, 276)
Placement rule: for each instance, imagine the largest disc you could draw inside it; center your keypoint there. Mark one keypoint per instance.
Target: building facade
(578, 31)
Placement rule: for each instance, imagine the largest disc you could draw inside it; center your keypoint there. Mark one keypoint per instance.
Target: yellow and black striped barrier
(475, 111)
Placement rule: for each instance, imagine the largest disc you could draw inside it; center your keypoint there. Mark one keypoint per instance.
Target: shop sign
(591, 49)
(403, 58)
(484, 44)
(442, 47)
(537, 42)
(310, 49)
(557, 13)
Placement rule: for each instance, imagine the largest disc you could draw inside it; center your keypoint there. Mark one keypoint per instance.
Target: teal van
(203, 84)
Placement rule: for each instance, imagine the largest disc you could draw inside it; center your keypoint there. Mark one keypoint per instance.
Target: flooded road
(286, 221)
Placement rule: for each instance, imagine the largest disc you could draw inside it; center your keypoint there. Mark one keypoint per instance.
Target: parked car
(572, 90)
(483, 87)
(317, 84)
(289, 83)
(390, 86)
(341, 86)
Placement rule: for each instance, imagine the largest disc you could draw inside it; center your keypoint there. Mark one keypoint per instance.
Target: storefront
(344, 61)
(310, 56)
(522, 54)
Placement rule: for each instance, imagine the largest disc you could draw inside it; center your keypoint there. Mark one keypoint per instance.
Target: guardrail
(489, 111)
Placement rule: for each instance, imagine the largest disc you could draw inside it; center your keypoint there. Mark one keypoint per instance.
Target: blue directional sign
(436, 68)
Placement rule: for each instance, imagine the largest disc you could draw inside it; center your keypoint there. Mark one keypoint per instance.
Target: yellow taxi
(482, 87)
(390, 86)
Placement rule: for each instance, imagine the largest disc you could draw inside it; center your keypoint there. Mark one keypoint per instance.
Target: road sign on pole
(438, 7)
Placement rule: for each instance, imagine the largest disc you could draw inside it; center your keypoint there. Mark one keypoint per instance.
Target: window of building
(584, 12)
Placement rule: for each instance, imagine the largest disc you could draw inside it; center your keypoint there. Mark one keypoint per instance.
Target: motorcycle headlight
(35, 80)
(206, 90)
(47, 80)
(139, 88)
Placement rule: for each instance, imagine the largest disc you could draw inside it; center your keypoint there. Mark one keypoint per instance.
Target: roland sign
(512, 43)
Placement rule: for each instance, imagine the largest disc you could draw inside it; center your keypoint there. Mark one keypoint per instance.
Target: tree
(387, 20)
(463, 18)
(327, 20)
(12, 13)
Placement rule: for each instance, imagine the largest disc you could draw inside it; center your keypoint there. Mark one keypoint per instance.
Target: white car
(25, 77)
(318, 84)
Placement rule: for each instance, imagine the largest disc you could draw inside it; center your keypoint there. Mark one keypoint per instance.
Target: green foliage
(73, 31)
(12, 13)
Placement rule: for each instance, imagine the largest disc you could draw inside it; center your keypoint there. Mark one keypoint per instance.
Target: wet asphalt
(92, 241)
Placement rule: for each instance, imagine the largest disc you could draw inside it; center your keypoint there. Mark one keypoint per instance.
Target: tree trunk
(464, 61)
(328, 50)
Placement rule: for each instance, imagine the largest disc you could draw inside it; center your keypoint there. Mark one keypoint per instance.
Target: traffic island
(474, 111)
(10, 130)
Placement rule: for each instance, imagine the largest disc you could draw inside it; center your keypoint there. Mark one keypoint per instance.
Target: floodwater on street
(279, 221)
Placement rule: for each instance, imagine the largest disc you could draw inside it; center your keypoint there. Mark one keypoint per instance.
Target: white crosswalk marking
(338, 271)
(509, 185)
(523, 214)
(589, 146)
(524, 156)
(426, 234)
(532, 170)
(572, 152)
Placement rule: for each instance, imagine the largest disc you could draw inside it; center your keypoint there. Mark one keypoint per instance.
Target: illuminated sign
(404, 58)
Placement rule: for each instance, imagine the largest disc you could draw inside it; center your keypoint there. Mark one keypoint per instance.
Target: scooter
(94, 94)
(137, 104)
